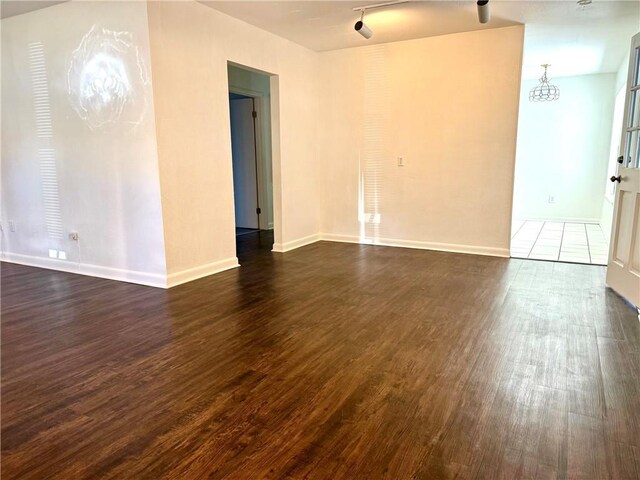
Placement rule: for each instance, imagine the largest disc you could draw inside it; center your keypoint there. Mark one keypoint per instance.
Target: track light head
(484, 14)
(362, 29)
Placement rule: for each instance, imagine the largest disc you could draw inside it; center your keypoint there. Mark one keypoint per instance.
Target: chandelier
(544, 92)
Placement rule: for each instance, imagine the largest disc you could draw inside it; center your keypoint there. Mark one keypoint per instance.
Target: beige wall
(449, 106)
(190, 47)
(95, 174)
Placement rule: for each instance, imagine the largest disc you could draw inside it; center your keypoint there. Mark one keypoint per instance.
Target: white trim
(200, 271)
(247, 92)
(293, 244)
(442, 247)
(392, 242)
(131, 276)
(332, 237)
(559, 219)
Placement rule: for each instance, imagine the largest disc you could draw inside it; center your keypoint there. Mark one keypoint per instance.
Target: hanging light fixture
(361, 28)
(544, 92)
(484, 14)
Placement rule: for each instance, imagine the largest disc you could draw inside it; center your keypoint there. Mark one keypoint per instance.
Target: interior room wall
(252, 83)
(563, 150)
(448, 106)
(78, 155)
(190, 47)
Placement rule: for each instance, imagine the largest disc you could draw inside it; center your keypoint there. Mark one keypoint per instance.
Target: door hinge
(258, 211)
(254, 114)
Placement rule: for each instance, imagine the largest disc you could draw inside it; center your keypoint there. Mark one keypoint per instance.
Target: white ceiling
(572, 39)
(579, 48)
(11, 8)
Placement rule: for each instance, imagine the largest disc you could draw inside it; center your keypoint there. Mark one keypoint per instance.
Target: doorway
(249, 112)
(562, 203)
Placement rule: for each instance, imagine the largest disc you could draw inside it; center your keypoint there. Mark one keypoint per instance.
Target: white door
(243, 151)
(623, 271)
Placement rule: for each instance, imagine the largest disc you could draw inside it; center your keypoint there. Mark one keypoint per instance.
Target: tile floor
(558, 241)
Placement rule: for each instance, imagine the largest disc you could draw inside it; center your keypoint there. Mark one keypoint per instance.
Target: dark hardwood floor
(333, 361)
(243, 230)
(254, 246)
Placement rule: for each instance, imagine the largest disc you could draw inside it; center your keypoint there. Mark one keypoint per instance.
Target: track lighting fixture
(484, 15)
(361, 28)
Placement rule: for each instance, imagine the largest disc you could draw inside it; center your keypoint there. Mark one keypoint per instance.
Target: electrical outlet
(62, 255)
(552, 199)
(53, 253)
(12, 225)
(74, 236)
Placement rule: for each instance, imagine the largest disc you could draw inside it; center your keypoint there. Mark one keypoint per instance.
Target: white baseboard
(131, 276)
(332, 237)
(184, 276)
(442, 247)
(293, 244)
(560, 219)
(391, 242)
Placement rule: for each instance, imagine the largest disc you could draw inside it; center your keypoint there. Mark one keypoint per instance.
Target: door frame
(264, 167)
(263, 170)
(273, 104)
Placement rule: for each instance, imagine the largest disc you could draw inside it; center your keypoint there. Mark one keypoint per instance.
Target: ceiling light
(361, 28)
(544, 92)
(484, 15)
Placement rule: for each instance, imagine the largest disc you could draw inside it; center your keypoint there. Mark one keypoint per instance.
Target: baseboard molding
(441, 247)
(560, 219)
(190, 274)
(332, 237)
(392, 242)
(292, 245)
(131, 276)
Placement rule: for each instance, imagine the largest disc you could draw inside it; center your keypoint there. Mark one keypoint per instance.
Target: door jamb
(259, 99)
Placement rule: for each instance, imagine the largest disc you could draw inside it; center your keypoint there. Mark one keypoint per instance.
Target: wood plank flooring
(334, 361)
